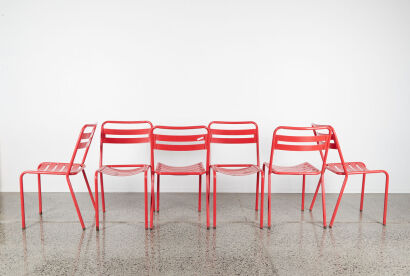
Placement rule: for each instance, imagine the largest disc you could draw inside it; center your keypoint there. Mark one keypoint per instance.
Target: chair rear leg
(146, 200)
(303, 193)
(23, 217)
(75, 202)
(323, 201)
(214, 201)
(207, 199)
(314, 197)
(262, 197)
(158, 179)
(269, 200)
(40, 205)
(386, 195)
(88, 187)
(152, 202)
(362, 195)
(102, 193)
(338, 201)
(257, 191)
(97, 211)
(199, 193)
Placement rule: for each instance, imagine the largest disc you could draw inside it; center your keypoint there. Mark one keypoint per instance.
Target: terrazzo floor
(55, 244)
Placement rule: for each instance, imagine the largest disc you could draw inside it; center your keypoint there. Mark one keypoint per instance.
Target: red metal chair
(248, 134)
(178, 142)
(346, 169)
(67, 169)
(137, 132)
(296, 143)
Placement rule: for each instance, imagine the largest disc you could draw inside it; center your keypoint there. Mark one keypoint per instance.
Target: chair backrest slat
(124, 132)
(221, 132)
(83, 142)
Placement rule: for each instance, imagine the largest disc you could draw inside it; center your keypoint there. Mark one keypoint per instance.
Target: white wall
(65, 63)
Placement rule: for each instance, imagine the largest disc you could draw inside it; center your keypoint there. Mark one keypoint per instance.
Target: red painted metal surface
(137, 132)
(220, 133)
(346, 169)
(297, 143)
(177, 138)
(52, 168)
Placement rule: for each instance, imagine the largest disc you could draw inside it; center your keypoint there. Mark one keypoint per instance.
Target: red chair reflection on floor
(297, 143)
(174, 138)
(136, 132)
(66, 169)
(346, 169)
(223, 133)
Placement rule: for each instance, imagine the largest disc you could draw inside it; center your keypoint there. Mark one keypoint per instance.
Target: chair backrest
(333, 144)
(177, 139)
(301, 142)
(247, 134)
(83, 144)
(131, 132)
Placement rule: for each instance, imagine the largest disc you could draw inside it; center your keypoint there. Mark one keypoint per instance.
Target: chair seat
(301, 169)
(235, 171)
(195, 169)
(123, 171)
(58, 168)
(351, 167)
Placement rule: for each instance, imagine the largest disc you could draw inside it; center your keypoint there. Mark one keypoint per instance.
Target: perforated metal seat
(195, 169)
(301, 169)
(246, 170)
(58, 168)
(122, 171)
(351, 167)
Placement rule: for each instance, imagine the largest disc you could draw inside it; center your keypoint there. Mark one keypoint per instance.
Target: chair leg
(97, 211)
(338, 201)
(214, 201)
(323, 201)
(257, 191)
(75, 202)
(303, 193)
(362, 196)
(207, 199)
(269, 200)
(314, 197)
(23, 217)
(152, 201)
(262, 197)
(199, 193)
(145, 200)
(386, 195)
(40, 205)
(102, 193)
(88, 187)
(158, 193)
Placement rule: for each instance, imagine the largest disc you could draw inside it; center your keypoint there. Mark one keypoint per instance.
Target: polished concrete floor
(55, 244)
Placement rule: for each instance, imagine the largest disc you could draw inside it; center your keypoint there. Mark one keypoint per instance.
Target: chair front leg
(40, 205)
(158, 179)
(75, 202)
(338, 201)
(199, 193)
(303, 193)
(96, 208)
(386, 195)
(88, 187)
(362, 195)
(269, 199)
(102, 193)
(23, 217)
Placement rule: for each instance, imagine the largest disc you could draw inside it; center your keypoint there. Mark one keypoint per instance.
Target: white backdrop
(65, 63)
